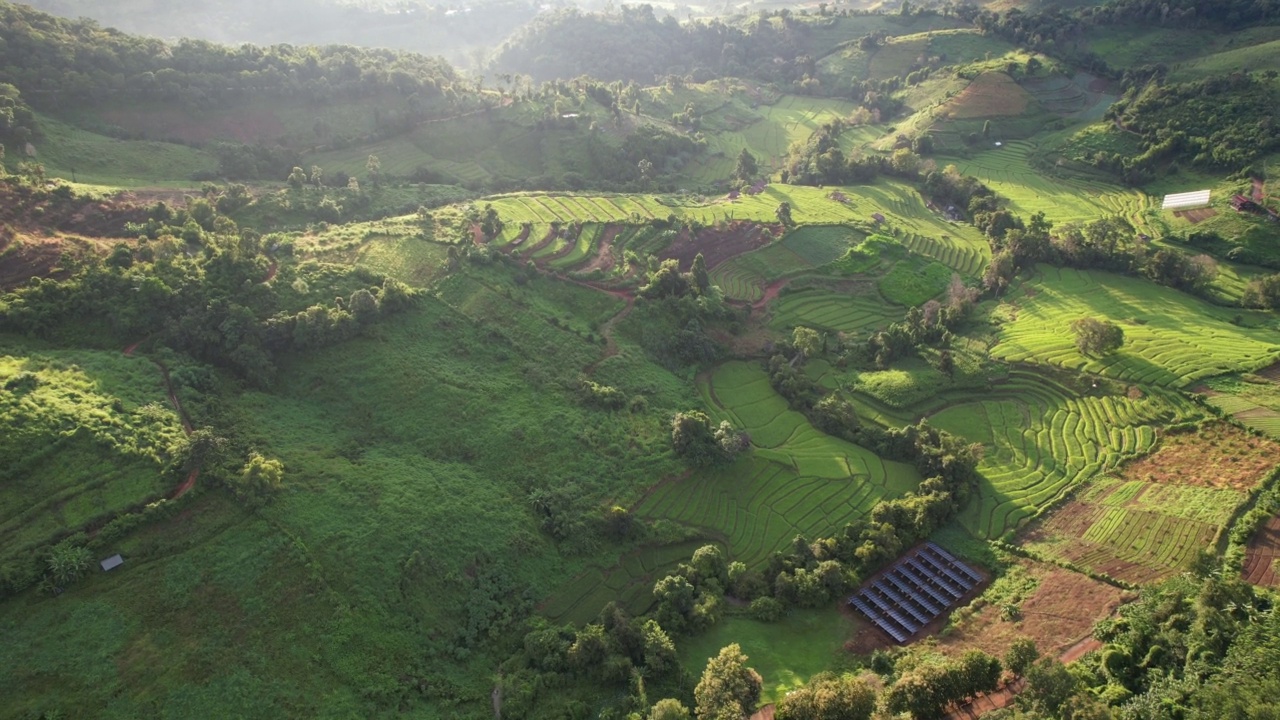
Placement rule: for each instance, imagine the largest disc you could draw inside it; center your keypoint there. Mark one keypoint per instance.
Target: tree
(699, 278)
(729, 690)
(259, 477)
(746, 168)
(669, 709)
(659, 652)
(946, 363)
(784, 213)
(666, 282)
(1049, 686)
(1021, 654)
(68, 562)
(829, 697)
(317, 175)
(1097, 337)
(373, 166)
(807, 341)
(297, 178)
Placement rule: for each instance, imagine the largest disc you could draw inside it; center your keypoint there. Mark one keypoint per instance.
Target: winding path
(187, 428)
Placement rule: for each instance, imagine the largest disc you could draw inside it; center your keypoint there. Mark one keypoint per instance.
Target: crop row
(1042, 441)
(832, 311)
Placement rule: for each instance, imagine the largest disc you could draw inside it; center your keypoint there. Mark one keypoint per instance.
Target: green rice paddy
(1042, 439)
(1171, 339)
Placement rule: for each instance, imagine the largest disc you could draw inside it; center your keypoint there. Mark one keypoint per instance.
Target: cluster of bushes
(195, 282)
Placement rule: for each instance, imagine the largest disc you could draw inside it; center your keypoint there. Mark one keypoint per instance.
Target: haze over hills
(865, 361)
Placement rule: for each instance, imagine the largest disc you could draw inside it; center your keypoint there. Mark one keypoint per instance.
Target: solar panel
(934, 573)
(924, 585)
(952, 559)
(929, 607)
(940, 567)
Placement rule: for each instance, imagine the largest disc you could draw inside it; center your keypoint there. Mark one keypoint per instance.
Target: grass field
(1134, 530)
(1171, 339)
(70, 152)
(830, 310)
(1253, 399)
(786, 653)
(88, 434)
(1043, 438)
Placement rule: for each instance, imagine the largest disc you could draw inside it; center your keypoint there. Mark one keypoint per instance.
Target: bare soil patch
(1261, 555)
(1060, 612)
(1215, 455)
(991, 94)
(1197, 215)
(1271, 373)
(603, 258)
(25, 258)
(718, 244)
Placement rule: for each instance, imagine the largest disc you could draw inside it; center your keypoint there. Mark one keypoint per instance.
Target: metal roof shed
(112, 562)
(1184, 201)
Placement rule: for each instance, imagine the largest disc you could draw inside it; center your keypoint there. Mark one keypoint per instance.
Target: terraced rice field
(744, 277)
(797, 481)
(1134, 530)
(828, 310)
(1042, 439)
(958, 246)
(1008, 171)
(1171, 339)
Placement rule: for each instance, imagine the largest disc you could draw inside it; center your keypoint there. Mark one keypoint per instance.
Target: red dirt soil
(1066, 527)
(1261, 555)
(991, 94)
(718, 244)
(244, 124)
(1271, 372)
(603, 258)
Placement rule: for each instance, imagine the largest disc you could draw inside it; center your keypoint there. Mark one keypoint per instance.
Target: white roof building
(1186, 200)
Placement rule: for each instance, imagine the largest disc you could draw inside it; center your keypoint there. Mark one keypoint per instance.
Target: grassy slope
(67, 151)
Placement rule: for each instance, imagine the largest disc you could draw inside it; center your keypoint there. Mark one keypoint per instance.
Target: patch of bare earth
(1198, 215)
(1215, 455)
(722, 242)
(1060, 612)
(603, 258)
(991, 94)
(1261, 555)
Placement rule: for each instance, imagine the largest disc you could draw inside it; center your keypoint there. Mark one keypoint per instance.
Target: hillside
(822, 361)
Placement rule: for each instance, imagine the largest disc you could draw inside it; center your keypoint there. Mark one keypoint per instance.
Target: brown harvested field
(1271, 372)
(1197, 215)
(720, 243)
(1214, 455)
(991, 94)
(1261, 555)
(1060, 612)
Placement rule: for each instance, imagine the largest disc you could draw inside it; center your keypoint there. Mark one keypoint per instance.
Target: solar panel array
(918, 588)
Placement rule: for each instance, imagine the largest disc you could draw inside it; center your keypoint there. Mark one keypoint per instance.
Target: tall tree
(1097, 337)
(729, 690)
(746, 168)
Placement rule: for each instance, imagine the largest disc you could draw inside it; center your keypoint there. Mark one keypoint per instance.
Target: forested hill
(633, 44)
(415, 26)
(59, 63)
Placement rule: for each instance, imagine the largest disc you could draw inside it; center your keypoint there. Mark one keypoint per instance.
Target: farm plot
(628, 582)
(1171, 339)
(797, 481)
(1042, 439)
(1252, 399)
(991, 94)
(1262, 556)
(830, 310)
(1214, 455)
(745, 276)
(1134, 530)
(1007, 170)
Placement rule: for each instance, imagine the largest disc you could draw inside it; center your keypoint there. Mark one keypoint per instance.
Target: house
(112, 563)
